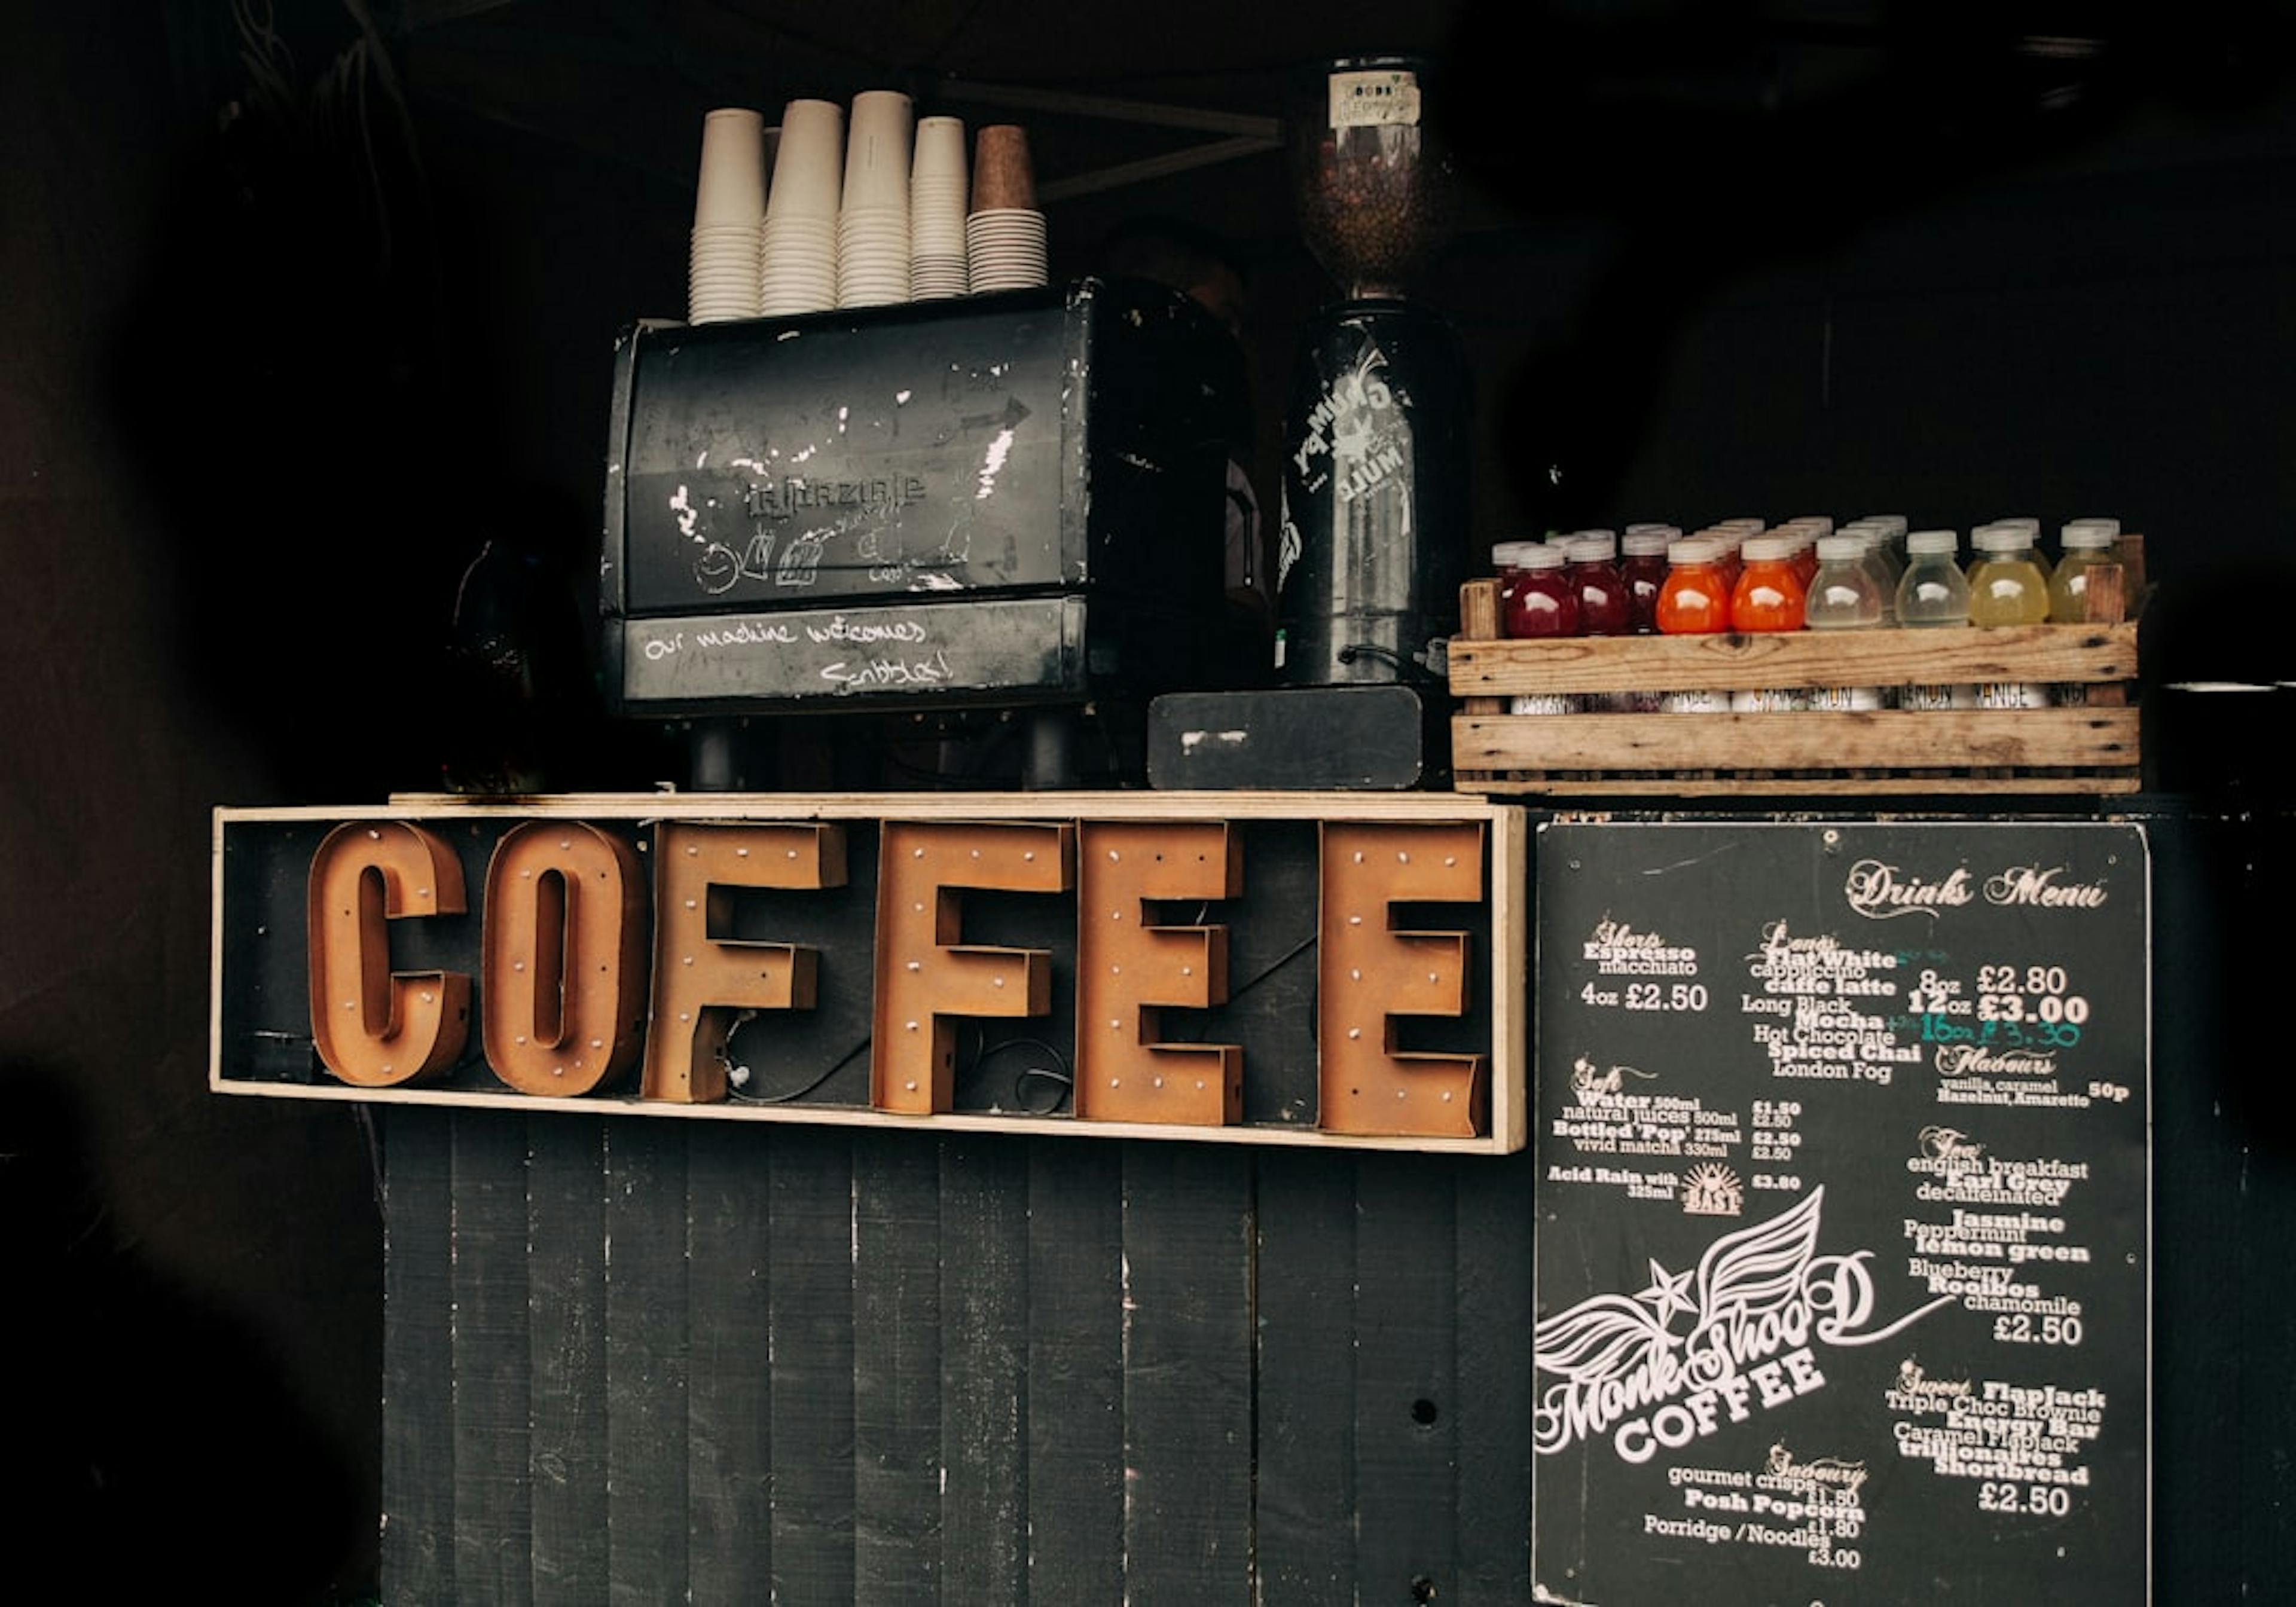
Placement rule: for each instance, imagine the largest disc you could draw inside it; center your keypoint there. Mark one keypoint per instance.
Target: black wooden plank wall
(650, 1360)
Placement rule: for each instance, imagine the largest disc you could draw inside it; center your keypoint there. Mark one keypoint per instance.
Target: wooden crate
(2090, 749)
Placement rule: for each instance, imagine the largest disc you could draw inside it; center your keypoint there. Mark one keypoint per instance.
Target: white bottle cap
(1539, 555)
(1932, 541)
(2002, 536)
(1840, 549)
(1649, 541)
(2090, 533)
(1592, 546)
(1694, 549)
(1651, 528)
(1813, 521)
(1767, 549)
(1892, 523)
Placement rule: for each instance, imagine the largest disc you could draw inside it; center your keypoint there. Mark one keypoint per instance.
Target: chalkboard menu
(1842, 1254)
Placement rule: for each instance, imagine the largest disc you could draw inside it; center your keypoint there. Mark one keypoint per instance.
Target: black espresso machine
(1010, 507)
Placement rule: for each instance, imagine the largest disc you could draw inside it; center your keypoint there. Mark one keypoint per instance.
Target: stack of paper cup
(937, 201)
(873, 226)
(797, 240)
(1004, 233)
(728, 202)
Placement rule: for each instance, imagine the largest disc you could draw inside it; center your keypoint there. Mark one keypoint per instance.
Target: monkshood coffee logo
(1881, 891)
(1759, 1304)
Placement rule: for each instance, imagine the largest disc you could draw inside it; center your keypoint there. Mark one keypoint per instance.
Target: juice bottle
(1933, 594)
(1545, 604)
(1768, 596)
(1644, 571)
(1695, 599)
(2030, 529)
(1933, 591)
(2087, 546)
(1605, 607)
(2006, 585)
(1882, 563)
(1506, 561)
(1844, 597)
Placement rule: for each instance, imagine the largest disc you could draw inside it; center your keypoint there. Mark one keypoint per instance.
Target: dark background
(305, 304)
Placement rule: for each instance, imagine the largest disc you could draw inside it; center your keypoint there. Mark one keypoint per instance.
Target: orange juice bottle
(1695, 599)
(1768, 596)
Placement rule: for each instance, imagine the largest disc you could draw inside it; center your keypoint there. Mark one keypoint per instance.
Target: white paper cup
(809, 167)
(731, 187)
(877, 151)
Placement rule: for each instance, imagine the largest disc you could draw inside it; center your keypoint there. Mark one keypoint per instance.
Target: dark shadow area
(150, 1444)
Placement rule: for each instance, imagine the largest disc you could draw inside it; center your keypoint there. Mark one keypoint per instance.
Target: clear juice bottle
(1844, 597)
(1933, 594)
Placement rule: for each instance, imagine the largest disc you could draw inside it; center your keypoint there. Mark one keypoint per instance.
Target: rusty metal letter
(1127, 967)
(1368, 974)
(701, 982)
(926, 978)
(375, 1028)
(561, 967)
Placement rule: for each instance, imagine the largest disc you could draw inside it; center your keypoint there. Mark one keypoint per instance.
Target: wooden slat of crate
(1899, 784)
(1891, 740)
(2043, 653)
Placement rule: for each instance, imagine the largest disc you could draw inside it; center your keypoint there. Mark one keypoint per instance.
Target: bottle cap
(1840, 549)
(1767, 549)
(1647, 527)
(1695, 549)
(2090, 533)
(1932, 541)
(1592, 546)
(1508, 554)
(1649, 542)
(1539, 555)
(1813, 521)
(2000, 536)
(1892, 524)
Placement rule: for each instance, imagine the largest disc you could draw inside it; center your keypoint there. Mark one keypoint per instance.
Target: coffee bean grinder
(1372, 539)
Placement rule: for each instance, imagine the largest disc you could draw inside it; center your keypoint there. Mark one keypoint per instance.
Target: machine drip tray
(1380, 739)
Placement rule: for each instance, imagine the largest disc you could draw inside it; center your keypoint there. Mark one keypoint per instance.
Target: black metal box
(1006, 499)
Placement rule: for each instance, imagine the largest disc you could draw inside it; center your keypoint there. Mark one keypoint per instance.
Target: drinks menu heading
(1842, 1257)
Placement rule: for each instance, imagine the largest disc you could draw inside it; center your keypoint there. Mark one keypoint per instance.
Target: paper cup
(877, 151)
(808, 166)
(731, 187)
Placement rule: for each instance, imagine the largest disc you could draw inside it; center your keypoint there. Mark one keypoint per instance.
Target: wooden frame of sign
(580, 977)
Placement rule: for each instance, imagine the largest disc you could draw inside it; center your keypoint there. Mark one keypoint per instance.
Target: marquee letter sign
(1257, 969)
